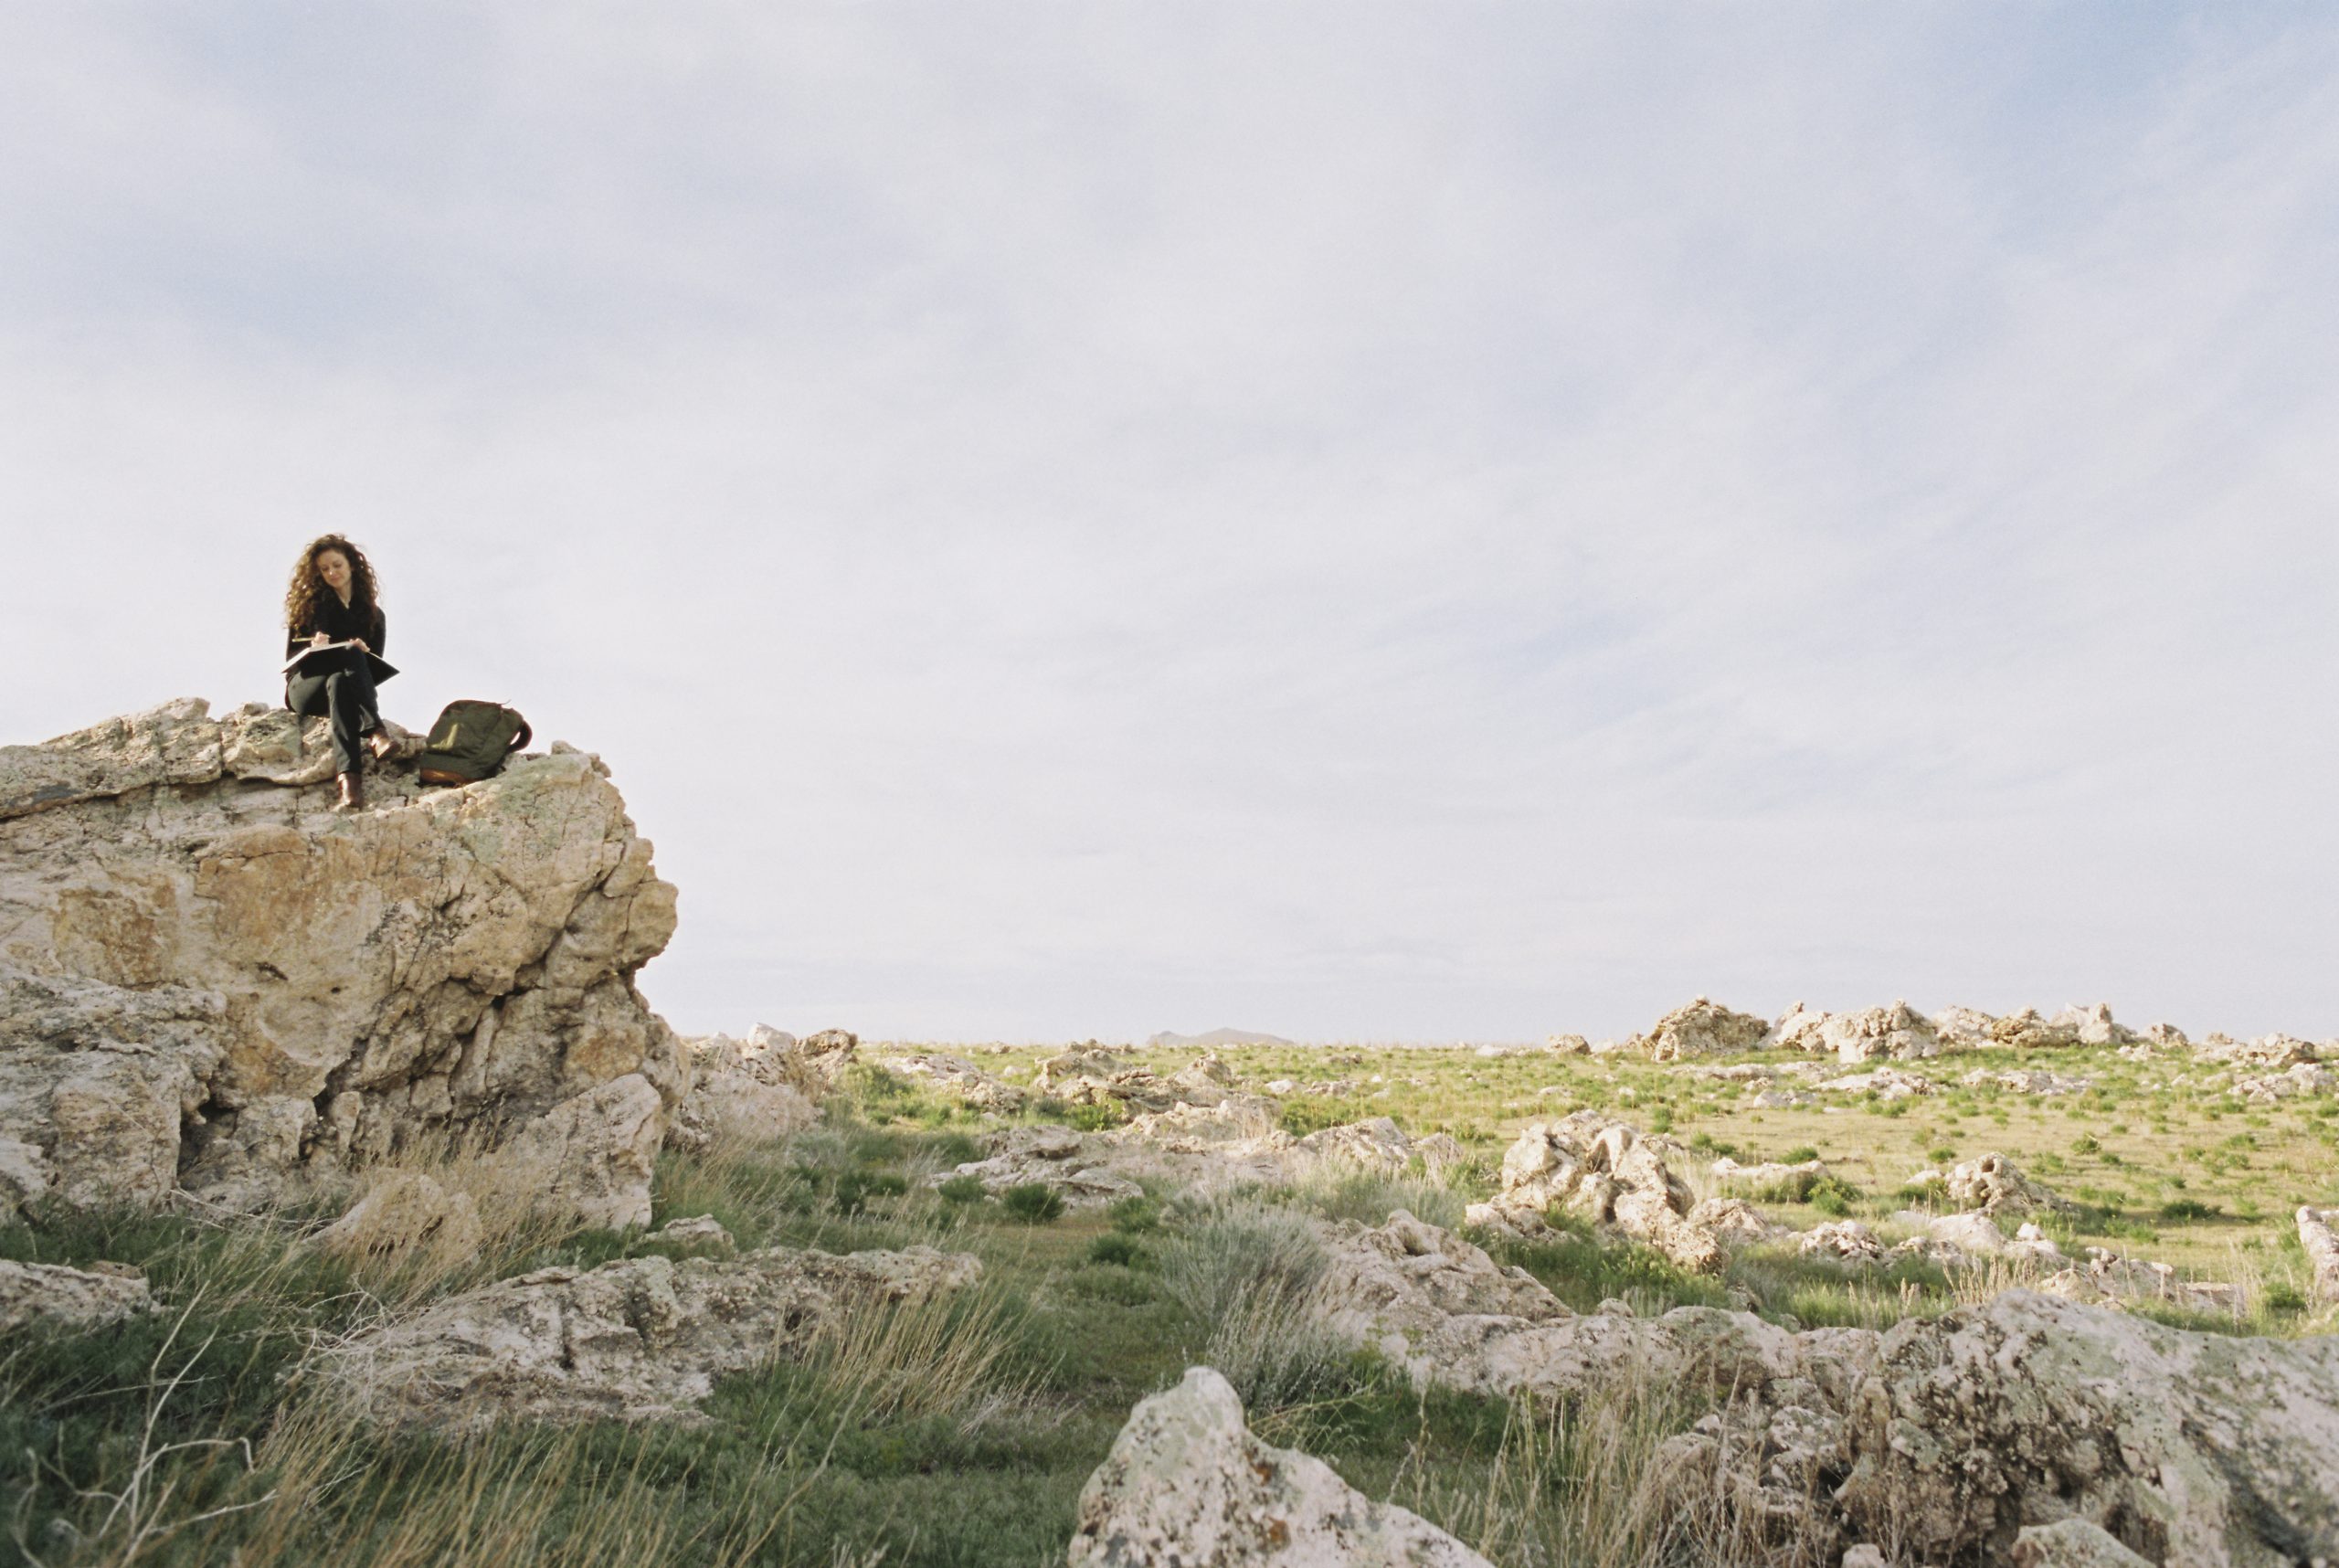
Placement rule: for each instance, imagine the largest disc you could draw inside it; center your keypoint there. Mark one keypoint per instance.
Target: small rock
(2072, 1544)
(67, 1298)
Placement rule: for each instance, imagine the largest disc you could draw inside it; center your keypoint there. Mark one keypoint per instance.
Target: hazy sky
(1357, 519)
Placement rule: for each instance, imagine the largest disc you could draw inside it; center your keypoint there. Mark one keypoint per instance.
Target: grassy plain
(960, 1432)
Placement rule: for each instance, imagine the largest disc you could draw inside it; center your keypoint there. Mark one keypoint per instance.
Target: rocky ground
(354, 1207)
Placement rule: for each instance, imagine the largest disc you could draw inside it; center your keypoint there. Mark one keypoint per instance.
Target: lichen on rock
(212, 981)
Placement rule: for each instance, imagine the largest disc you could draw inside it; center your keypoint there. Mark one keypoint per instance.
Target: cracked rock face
(1187, 1482)
(208, 979)
(639, 1340)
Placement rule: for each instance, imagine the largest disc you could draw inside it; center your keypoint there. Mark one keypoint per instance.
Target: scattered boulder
(2299, 1080)
(52, 1295)
(640, 1339)
(1703, 1028)
(1886, 1084)
(2320, 1241)
(1606, 1173)
(1899, 1031)
(214, 981)
(2107, 1279)
(1846, 1240)
(2029, 1081)
(2095, 1025)
(2277, 1051)
(1568, 1045)
(696, 1230)
(406, 1211)
(1771, 1176)
(1993, 1184)
(1376, 1145)
(1053, 1156)
(1964, 1028)
(1093, 1075)
(962, 1080)
(1187, 1482)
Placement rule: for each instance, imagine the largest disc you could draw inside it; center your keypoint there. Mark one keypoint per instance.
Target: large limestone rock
(77, 1300)
(1898, 1032)
(1609, 1174)
(638, 1340)
(208, 979)
(2204, 1450)
(1187, 1482)
(1703, 1028)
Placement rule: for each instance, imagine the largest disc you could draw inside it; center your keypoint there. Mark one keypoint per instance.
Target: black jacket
(339, 621)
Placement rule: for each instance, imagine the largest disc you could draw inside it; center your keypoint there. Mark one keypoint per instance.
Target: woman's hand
(359, 643)
(318, 640)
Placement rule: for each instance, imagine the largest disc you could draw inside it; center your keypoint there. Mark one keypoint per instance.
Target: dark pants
(345, 696)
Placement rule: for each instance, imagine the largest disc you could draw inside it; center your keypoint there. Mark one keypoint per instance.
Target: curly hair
(301, 596)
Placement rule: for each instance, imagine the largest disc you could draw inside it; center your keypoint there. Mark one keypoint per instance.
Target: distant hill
(1217, 1037)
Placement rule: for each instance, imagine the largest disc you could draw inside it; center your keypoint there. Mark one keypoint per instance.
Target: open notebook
(383, 668)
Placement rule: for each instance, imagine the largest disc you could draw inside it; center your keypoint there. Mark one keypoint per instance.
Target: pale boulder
(1187, 1482)
(592, 1156)
(77, 1300)
(641, 1338)
(1701, 1028)
(214, 982)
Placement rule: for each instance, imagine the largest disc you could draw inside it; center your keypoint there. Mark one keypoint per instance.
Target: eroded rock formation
(1187, 1482)
(640, 1339)
(210, 980)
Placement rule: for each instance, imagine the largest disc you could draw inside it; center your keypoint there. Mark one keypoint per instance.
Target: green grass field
(960, 1432)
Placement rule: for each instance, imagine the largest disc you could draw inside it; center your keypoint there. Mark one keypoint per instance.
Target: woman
(332, 600)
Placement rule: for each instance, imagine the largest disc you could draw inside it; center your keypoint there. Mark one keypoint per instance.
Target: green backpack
(471, 741)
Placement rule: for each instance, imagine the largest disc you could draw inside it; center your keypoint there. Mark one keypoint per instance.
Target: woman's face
(333, 568)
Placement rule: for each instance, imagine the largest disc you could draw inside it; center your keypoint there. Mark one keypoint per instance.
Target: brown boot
(353, 793)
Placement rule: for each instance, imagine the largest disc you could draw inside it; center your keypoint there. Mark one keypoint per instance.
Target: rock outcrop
(1898, 1032)
(638, 1340)
(1187, 1482)
(1613, 1177)
(1056, 1158)
(210, 980)
(72, 1299)
(2195, 1449)
(1703, 1028)
(960, 1079)
(762, 1088)
(1995, 1185)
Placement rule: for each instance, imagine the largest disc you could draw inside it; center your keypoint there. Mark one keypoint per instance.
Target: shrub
(1033, 1202)
(1241, 1249)
(854, 1189)
(1120, 1251)
(1099, 1118)
(2184, 1208)
(2086, 1144)
(2283, 1299)
(1135, 1217)
(963, 1190)
(1802, 1154)
(1829, 1200)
